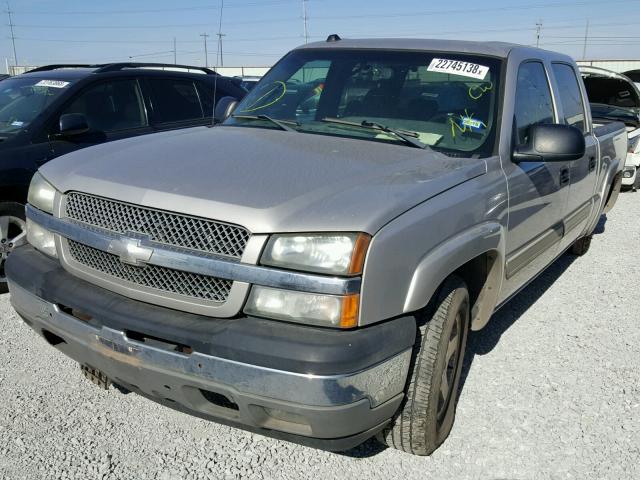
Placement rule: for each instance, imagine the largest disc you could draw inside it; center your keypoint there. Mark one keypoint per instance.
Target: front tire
(426, 417)
(13, 233)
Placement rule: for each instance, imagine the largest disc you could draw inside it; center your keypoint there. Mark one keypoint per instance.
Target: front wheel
(426, 417)
(13, 233)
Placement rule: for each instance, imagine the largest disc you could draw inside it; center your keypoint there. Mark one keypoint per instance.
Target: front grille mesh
(160, 278)
(164, 227)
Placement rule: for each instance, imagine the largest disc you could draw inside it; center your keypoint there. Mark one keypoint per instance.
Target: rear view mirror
(551, 143)
(73, 124)
(224, 108)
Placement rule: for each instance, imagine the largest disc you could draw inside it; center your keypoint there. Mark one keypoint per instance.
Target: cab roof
(494, 49)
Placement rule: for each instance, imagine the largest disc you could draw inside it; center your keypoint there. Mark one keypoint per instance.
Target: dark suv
(56, 109)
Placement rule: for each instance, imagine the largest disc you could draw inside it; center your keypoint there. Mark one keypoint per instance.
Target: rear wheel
(581, 246)
(426, 417)
(13, 233)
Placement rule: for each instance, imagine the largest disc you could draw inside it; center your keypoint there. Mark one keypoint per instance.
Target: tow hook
(96, 376)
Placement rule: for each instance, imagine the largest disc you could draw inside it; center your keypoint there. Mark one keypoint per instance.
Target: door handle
(564, 176)
(592, 164)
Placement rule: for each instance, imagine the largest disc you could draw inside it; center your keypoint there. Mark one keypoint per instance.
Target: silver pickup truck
(310, 268)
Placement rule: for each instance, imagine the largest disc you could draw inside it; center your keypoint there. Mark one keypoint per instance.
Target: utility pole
(13, 37)
(220, 35)
(206, 57)
(305, 19)
(219, 57)
(538, 30)
(586, 39)
(175, 54)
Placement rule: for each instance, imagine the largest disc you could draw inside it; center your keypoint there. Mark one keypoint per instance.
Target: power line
(344, 17)
(157, 10)
(472, 10)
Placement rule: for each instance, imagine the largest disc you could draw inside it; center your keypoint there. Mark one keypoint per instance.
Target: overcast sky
(258, 32)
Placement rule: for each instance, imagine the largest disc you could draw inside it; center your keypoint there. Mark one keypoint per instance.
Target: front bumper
(274, 378)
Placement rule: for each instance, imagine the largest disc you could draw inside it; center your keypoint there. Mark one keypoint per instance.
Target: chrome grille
(152, 276)
(164, 227)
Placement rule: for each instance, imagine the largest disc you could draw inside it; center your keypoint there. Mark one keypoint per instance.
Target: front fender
(452, 254)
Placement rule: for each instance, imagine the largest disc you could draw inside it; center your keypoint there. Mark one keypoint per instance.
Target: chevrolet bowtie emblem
(130, 250)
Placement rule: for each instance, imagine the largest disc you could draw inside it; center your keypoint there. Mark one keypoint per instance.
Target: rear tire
(12, 234)
(581, 246)
(427, 414)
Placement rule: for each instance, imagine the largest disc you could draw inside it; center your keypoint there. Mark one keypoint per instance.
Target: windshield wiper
(282, 124)
(408, 137)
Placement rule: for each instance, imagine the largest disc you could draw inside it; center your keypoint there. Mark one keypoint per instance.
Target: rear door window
(111, 106)
(534, 104)
(570, 95)
(176, 100)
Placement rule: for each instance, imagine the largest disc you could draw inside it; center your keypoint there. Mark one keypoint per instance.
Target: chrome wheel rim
(449, 373)
(13, 233)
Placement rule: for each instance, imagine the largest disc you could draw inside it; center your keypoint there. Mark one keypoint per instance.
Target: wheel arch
(13, 193)
(477, 256)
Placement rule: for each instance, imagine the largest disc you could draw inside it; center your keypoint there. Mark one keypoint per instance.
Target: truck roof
(495, 49)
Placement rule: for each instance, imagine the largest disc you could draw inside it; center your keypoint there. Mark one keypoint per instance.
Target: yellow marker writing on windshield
(278, 84)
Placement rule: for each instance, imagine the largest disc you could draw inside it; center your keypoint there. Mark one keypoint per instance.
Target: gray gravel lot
(551, 390)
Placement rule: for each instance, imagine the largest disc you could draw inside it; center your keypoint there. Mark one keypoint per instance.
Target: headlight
(41, 194)
(41, 238)
(301, 307)
(338, 254)
(628, 172)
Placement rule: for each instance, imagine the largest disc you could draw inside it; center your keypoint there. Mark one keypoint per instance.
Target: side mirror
(73, 124)
(224, 108)
(551, 143)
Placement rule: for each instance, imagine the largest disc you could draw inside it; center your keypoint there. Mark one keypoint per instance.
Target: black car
(56, 109)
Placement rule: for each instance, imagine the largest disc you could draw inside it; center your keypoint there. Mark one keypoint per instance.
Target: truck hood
(266, 180)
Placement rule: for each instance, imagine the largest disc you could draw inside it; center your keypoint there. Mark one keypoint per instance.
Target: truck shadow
(485, 340)
(482, 342)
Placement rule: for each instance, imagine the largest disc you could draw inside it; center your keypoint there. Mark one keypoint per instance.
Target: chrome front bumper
(318, 406)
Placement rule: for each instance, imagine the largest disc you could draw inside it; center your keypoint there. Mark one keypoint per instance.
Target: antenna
(175, 54)
(215, 80)
(13, 37)
(538, 30)
(206, 55)
(305, 19)
(586, 38)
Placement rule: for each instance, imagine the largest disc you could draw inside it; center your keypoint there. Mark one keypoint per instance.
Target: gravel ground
(555, 394)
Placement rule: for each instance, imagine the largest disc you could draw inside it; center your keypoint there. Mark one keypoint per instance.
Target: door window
(176, 100)
(111, 106)
(570, 95)
(534, 105)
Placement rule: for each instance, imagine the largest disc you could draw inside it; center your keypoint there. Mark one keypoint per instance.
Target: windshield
(23, 99)
(446, 101)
